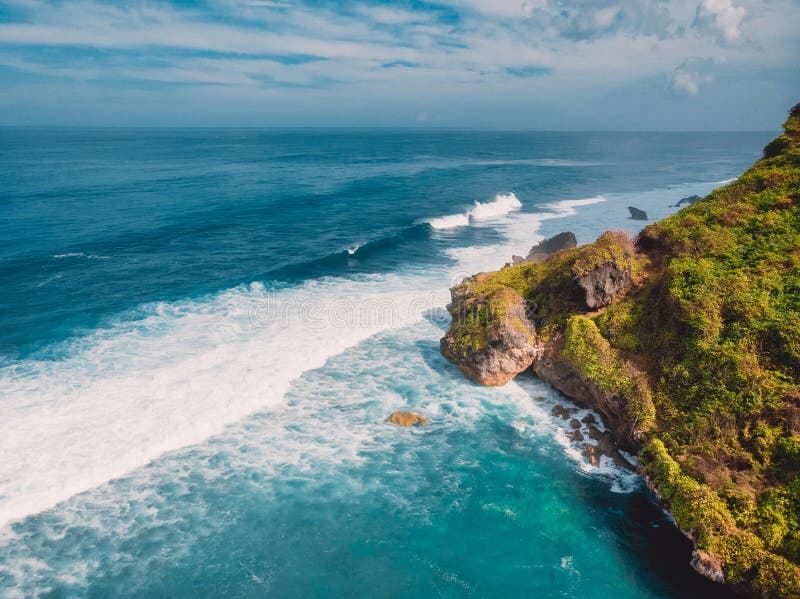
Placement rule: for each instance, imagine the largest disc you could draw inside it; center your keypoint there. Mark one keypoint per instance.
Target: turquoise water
(202, 332)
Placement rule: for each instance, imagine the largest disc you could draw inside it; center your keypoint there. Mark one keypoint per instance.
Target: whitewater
(179, 374)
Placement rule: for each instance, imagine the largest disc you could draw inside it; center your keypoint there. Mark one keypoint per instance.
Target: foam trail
(128, 394)
(449, 222)
(502, 204)
(175, 374)
(521, 233)
(80, 255)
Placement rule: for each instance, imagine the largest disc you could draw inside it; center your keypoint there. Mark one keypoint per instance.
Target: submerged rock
(562, 412)
(547, 247)
(406, 419)
(637, 214)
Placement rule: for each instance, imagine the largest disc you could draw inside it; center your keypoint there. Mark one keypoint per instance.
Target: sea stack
(637, 214)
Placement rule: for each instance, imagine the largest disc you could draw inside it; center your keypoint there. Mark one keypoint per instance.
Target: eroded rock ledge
(529, 316)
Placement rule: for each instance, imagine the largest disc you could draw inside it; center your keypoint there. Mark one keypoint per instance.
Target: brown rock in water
(566, 378)
(575, 435)
(593, 454)
(501, 348)
(406, 419)
(605, 446)
(562, 412)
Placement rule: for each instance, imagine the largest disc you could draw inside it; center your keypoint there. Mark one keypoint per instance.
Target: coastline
(630, 326)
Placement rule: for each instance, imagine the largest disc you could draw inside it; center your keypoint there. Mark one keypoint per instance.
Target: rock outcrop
(687, 200)
(603, 283)
(707, 565)
(637, 214)
(547, 247)
(564, 376)
(607, 272)
(493, 340)
(406, 419)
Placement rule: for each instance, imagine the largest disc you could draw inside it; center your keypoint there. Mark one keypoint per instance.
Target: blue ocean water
(201, 332)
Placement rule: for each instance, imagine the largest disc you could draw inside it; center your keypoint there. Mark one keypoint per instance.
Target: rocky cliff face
(569, 380)
(494, 341)
(547, 247)
(493, 336)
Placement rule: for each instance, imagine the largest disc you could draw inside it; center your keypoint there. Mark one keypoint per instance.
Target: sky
(495, 64)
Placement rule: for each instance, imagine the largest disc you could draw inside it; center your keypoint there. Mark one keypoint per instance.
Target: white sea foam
(175, 374)
(80, 255)
(502, 204)
(449, 222)
(127, 394)
(572, 440)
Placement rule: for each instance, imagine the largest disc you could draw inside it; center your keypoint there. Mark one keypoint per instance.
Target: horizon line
(384, 128)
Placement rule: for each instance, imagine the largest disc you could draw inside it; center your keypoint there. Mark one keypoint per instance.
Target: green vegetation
(600, 363)
(721, 340)
(614, 247)
(483, 312)
(705, 350)
(549, 288)
(699, 510)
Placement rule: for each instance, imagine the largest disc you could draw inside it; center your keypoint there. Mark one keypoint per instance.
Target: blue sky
(518, 64)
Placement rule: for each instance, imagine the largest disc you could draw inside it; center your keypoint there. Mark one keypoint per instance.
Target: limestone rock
(406, 419)
(708, 565)
(603, 283)
(605, 269)
(491, 339)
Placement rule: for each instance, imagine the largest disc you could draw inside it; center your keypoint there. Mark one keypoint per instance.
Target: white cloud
(363, 50)
(501, 8)
(722, 17)
(690, 75)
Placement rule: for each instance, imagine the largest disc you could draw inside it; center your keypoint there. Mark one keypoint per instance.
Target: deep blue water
(201, 332)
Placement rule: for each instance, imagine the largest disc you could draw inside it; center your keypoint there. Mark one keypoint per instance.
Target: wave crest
(503, 203)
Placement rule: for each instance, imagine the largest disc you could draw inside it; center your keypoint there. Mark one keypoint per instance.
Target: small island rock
(637, 214)
(406, 419)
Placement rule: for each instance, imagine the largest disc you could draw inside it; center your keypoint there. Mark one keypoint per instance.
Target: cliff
(687, 341)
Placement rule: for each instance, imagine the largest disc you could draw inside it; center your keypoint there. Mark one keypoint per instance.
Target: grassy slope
(706, 350)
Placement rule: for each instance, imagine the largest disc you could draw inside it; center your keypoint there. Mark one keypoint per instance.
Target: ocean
(202, 331)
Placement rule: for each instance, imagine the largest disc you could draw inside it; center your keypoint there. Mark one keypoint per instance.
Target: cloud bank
(510, 63)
